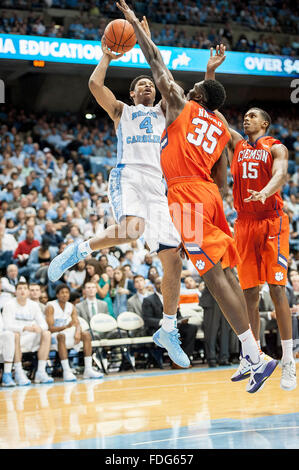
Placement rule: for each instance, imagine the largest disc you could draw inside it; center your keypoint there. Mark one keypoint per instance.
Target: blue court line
(267, 432)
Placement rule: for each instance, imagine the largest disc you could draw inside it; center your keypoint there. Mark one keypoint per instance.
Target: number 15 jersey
(252, 169)
(193, 143)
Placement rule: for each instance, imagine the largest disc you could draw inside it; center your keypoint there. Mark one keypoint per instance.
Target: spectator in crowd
(24, 317)
(119, 286)
(8, 245)
(103, 290)
(64, 325)
(76, 277)
(152, 314)
(39, 260)
(24, 248)
(90, 306)
(11, 280)
(134, 303)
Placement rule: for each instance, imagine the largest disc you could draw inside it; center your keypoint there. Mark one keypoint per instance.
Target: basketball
(120, 36)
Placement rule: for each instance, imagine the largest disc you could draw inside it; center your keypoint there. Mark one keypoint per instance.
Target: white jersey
(138, 137)
(16, 316)
(61, 317)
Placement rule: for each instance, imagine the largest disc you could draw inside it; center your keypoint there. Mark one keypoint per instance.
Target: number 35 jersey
(138, 137)
(193, 143)
(252, 169)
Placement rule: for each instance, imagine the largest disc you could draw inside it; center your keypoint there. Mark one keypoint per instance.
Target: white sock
(7, 367)
(84, 248)
(18, 367)
(259, 346)
(87, 362)
(41, 367)
(65, 365)
(287, 350)
(249, 346)
(169, 322)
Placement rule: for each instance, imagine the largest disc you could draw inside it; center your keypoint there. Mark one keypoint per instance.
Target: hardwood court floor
(197, 408)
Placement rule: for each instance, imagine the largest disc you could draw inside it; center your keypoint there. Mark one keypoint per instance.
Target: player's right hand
(107, 51)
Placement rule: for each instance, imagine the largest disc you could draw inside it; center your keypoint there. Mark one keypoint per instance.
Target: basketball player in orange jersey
(191, 148)
(259, 167)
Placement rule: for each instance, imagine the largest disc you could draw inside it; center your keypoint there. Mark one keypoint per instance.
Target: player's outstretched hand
(256, 196)
(107, 51)
(129, 14)
(217, 59)
(145, 26)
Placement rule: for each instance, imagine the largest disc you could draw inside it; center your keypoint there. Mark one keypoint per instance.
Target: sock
(87, 362)
(259, 346)
(249, 346)
(84, 248)
(41, 367)
(169, 322)
(18, 367)
(65, 365)
(7, 367)
(287, 350)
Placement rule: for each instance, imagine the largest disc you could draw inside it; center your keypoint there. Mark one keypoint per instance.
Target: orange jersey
(252, 169)
(193, 143)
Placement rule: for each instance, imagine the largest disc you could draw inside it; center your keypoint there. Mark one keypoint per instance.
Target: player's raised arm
(102, 94)
(280, 156)
(163, 79)
(215, 61)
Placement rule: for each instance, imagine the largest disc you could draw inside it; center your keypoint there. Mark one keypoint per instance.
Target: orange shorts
(197, 212)
(263, 245)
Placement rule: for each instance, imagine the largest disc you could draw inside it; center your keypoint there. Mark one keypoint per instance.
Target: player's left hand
(129, 14)
(217, 59)
(145, 26)
(256, 196)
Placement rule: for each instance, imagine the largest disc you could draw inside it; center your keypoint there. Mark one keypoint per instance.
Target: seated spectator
(11, 280)
(64, 325)
(76, 277)
(39, 260)
(147, 264)
(24, 317)
(7, 351)
(35, 293)
(50, 235)
(135, 302)
(152, 314)
(22, 253)
(119, 286)
(8, 245)
(103, 290)
(90, 306)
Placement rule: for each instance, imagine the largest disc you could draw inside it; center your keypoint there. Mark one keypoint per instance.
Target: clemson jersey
(252, 169)
(192, 143)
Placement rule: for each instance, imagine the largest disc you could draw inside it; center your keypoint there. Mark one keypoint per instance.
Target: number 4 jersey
(193, 143)
(138, 137)
(252, 169)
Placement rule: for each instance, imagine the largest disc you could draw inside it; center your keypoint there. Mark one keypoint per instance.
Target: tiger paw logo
(279, 276)
(200, 265)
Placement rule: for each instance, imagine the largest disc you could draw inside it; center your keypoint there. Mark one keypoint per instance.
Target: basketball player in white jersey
(63, 323)
(7, 351)
(137, 193)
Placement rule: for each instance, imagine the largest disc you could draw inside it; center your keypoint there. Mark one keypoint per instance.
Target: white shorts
(69, 334)
(30, 341)
(7, 346)
(136, 193)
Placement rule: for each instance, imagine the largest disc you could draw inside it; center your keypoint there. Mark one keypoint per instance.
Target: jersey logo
(279, 276)
(200, 265)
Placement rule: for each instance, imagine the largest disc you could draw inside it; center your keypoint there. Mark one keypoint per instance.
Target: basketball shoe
(260, 372)
(170, 341)
(61, 263)
(288, 379)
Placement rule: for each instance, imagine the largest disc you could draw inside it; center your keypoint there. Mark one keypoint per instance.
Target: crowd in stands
(266, 20)
(53, 191)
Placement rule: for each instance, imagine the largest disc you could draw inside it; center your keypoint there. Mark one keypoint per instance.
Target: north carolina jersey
(193, 143)
(138, 136)
(252, 169)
